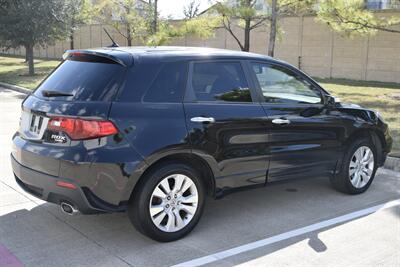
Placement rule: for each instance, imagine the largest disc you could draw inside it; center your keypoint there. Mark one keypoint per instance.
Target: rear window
(87, 79)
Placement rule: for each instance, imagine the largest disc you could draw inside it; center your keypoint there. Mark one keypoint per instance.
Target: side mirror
(331, 100)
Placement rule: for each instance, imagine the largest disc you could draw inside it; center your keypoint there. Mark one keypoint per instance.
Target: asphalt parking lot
(300, 223)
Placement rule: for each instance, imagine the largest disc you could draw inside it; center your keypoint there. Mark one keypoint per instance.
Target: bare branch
(227, 26)
(258, 24)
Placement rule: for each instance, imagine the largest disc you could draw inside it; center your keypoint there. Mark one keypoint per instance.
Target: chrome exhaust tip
(68, 208)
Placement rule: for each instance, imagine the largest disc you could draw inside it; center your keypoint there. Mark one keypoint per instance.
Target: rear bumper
(44, 186)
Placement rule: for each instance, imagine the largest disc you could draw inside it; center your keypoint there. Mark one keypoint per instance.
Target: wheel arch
(340, 180)
(195, 161)
(376, 137)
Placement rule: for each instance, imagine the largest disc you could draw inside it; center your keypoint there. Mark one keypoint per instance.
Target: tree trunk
(71, 41)
(128, 35)
(71, 35)
(29, 55)
(246, 46)
(155, 17)
(272, 34)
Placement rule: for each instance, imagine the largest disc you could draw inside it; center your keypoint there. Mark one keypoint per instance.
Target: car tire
(152, 200)
(353, 177)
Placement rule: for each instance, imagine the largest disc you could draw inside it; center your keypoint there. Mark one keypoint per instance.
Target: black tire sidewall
(141, 202)
(346, 164)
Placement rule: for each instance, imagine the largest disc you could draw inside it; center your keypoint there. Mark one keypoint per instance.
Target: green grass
(14, 70)
(383, 97)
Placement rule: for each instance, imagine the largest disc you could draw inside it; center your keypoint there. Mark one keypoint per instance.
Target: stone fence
(304, 42)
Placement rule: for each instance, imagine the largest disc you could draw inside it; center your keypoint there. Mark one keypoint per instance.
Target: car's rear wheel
(358, 167)
(168, 203)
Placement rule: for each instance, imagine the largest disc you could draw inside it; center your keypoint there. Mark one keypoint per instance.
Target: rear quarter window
(155, 82)
(168, 86)
(86, 80)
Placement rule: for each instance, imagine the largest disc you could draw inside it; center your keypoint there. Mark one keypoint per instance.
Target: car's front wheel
(358, 167)
(169, 203)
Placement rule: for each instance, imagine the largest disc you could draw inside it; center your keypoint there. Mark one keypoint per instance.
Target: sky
(174, 8)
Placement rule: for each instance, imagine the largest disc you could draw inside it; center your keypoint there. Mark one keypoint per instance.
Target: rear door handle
(280, 121)
(203, 119)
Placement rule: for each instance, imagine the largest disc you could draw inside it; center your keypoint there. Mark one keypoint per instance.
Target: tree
(139, 23)
(123, 15)
(29, 23)
(272, 32)
(242, 14)
(79, 12)
(352, 18)
(191, 10)
(349, 17)
(162, 31)
(281, 8)
(203, 28)
(153, 15)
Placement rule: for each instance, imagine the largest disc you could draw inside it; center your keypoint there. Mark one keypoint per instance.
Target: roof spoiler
(70, 53)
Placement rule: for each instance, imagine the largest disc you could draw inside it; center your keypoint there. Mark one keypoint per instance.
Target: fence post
(101, 35)
(300, 42)
(80, 37)
(90, 34)
(366, 60)
(331, 61)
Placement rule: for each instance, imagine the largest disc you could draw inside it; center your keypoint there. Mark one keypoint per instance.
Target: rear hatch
(71, 105)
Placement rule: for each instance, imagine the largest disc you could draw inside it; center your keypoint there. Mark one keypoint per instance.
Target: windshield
(84, 79)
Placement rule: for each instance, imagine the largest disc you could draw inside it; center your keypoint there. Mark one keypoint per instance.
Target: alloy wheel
(361, 166)
(173, 203)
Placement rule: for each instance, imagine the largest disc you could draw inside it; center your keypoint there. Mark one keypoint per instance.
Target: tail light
(78, 129)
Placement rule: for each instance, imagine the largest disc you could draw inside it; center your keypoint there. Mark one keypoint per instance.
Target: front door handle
(280, 121)
(203, 119)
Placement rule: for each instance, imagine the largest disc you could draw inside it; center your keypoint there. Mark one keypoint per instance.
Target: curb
(15, 88)
(391, 163)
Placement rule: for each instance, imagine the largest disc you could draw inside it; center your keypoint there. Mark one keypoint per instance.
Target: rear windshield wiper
(50, 93)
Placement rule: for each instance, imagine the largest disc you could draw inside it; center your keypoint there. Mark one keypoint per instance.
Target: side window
(220, 81)
(138, 80)
(281, 85)
(169, 84)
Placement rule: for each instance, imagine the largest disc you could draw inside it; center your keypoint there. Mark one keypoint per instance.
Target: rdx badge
(58, 138)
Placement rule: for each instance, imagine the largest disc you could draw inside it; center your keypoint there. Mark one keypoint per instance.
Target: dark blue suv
(155, 130)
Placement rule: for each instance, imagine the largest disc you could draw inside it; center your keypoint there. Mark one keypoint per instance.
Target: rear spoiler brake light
(71, 53)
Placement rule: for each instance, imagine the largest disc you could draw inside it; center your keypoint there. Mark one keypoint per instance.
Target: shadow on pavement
(44, 236)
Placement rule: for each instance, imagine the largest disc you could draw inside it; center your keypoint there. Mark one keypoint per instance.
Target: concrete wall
(305, 43)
